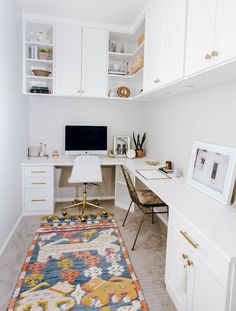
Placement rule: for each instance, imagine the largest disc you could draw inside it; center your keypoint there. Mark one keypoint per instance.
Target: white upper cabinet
(225, 45)
(165, 42)
(152, 50)
(68, 59)
(173, 40)
(94, 62)
(210, 33)
(200, 35)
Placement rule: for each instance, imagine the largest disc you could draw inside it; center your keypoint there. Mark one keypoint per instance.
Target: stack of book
(40, 90)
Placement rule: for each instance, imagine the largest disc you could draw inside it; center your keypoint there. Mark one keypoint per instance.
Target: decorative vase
(140, 153)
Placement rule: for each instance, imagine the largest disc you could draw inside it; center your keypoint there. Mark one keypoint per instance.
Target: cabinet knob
(208, 56)
(190, 263)
(185, 256)
(214, 53)
(78, 91)
(82, 91)
(157, 81)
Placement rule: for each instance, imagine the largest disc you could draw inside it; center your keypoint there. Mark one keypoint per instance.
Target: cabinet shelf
(114, 56)
(38, 77)
(39, 61)
(132, 78)
(39, 43)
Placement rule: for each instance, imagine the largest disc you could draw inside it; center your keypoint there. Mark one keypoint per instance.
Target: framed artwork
(212, 170)
(121, 145)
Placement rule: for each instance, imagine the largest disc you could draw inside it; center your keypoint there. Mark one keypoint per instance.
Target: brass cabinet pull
(157, 81)
(185, 235)
(185, 256)
(38, 183)
(38, 171)
(214, 53)
(38, 200)
(190, 263)
(207, 56)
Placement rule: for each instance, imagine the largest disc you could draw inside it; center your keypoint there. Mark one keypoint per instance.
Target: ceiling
(113, 12)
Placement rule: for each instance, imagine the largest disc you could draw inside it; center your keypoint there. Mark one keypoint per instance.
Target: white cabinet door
(173, 40)
(68, 59)
(208, 294)
(225, 30)
(177, 277)
(153, 39)
(200, 35)
(94, 62)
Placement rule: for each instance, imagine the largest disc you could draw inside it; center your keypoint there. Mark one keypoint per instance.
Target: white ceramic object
(131, 154)
(116, 67)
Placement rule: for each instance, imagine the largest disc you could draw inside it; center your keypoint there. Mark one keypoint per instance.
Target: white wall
(49, 115)
(173, 124)
(13, 117)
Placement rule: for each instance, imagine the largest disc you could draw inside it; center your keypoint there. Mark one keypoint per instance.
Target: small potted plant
(43, 54)
(139, 145)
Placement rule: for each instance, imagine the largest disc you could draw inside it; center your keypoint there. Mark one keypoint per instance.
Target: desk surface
(69, 160)
(210, 218)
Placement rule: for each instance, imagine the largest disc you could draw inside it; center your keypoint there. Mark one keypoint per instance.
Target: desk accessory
(152, 174)
(131, 154)
(153, 163)
(138, 141)
(121, 144)
(38, 151)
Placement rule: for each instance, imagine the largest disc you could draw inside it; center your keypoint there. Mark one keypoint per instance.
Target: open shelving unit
(32, 43)
(123, 52)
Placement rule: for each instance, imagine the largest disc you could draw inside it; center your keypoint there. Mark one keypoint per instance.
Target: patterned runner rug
(77, 266)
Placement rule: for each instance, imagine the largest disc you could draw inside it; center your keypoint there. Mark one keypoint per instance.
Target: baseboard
(103, 198)
(2, 249)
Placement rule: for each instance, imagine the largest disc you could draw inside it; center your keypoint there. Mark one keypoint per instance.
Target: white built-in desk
(201, 261)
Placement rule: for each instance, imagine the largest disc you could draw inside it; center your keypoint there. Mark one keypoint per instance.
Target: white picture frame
(212, 170)
(121, 144)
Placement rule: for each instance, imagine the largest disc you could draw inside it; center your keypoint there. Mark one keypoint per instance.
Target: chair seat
(148, 198)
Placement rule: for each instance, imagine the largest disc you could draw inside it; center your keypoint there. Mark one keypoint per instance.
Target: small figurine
(55, 154)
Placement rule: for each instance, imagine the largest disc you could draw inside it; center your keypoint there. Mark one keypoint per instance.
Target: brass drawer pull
(38, 200)
(157, 81)
(38, 183)
(185, 235)
(38, 172)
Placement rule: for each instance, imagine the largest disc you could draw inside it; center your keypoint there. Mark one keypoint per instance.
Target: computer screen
(84, 139)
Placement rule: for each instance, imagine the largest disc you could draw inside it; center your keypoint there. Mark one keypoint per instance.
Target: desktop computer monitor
(83, 139)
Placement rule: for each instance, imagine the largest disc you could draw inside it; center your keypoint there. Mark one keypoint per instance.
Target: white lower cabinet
(38, 190)
(194, 281)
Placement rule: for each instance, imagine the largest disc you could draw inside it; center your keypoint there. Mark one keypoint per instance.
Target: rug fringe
(56, 218)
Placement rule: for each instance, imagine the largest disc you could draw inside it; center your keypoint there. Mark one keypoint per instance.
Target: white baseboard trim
(103, 198)
(2, 249)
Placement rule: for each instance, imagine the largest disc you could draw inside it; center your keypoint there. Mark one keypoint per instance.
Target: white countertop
(212, 219)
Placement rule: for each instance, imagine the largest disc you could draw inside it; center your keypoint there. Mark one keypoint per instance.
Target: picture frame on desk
(121, 144)
(212, 170)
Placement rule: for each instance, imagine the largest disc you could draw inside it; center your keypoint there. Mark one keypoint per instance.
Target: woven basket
(41, 73)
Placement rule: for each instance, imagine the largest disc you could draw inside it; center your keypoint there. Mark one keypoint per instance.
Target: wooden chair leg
(127, 213)
(138, 231)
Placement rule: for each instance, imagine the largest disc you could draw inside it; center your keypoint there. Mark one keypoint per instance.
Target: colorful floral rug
(77, 266)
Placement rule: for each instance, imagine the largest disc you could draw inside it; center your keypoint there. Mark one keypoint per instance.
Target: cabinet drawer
(37, 171)
(214, 260)
(38, 182)
(39, 200)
